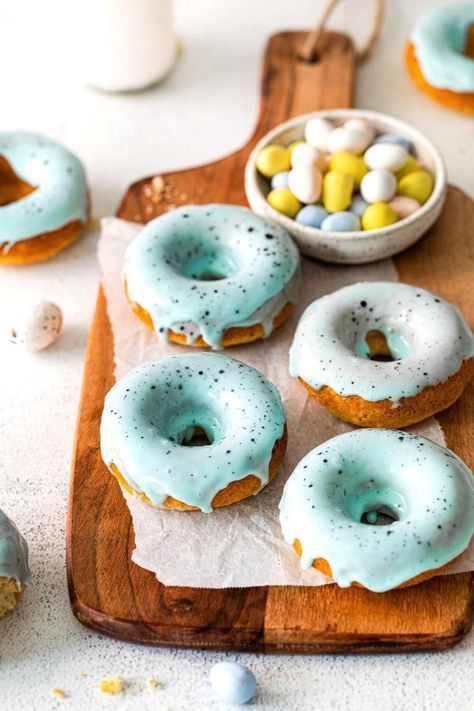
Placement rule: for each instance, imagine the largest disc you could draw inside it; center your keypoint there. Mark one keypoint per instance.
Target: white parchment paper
(240, 545)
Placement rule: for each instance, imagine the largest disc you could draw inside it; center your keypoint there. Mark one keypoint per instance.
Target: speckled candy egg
(404, 206)
(36, 326)
(232, 682)
(311, 215)
(317, 131)
(347, 139)
(385, 156)
(378, 186)
(305, 183)
(341, 222)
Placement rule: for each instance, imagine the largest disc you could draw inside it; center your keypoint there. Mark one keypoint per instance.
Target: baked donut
(439, 56)
(383, 354)
(44, 203)
(14, 571)
(378, 508)
(212, 275)
(157, 409)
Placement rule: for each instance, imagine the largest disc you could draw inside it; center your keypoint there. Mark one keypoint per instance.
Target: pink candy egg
(404, 206)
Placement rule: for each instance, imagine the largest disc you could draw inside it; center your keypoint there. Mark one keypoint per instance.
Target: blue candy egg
(358, 205)
(311, 215)
(280, 180)
(232, 682)
(392, 138)
(341, 222)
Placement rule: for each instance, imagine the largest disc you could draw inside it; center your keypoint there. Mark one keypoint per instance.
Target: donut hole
(376, 505)
(201, 263)
(196, 436)
(192, 428)
(12, 188)
(378, 347)
(469, 42)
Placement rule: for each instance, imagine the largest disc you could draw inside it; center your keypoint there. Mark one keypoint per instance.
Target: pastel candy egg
(358, 205)
(349, 163)
(36, 326)
(378, 215)
(347, 139)
(283, 200)
(311, 215)
(317, 132)
(272, 159)
(292, 147)
(417, 185)
(409, 166)
(280, 180)
(378, 186)
(305, 183)
(303, 155)
(385, 156)
(232, 682)
(361, 125)
(393, 138)
(404, 206)
(341, 222)
(337, 191)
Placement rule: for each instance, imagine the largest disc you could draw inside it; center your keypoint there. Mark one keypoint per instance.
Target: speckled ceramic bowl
(352, 247)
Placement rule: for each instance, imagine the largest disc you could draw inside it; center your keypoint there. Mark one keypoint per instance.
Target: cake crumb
(114, 685)
(59, 693)
(83, 675)
(153, 683)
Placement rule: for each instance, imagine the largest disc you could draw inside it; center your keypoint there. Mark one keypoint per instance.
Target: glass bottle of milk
(129, 44)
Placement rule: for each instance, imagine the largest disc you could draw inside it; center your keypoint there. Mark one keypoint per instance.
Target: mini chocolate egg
(404, 206)
(232, 682)
(361, 125)
(337, 191)
(417, 185)
(378, 215)
(280, 180)
(392, 138)
(385, 156)
(409, 166)
(272, 159)
(347, 139)
(349, 163)
(311, 215)
(283, 200)
(36, 326)
(292, 147)
(317, 132)
(304, 155)
(305, 183)
(378, 186)
(341, 222)
(358, 205)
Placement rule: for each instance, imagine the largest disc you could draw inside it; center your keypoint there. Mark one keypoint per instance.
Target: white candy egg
(304, 154)
(317, 132)
(36, 326)
(347, 139)
(378, 186)
(232, 682)
(305, 183)
(361, 125)
(385, 156)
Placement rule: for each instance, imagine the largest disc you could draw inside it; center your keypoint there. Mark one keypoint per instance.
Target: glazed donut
(157, 408)
(421, 496)
(14, 571)
(212, 275)
(44, 204)
(439, 56)
(383, 354)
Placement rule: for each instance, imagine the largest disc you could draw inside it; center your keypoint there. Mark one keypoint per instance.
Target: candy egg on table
(358, 205)
(347, 162)
(378, 186)
(280, 180)
(378, 215)
(273, 159)
(283, 200)
(392, 138)
(341, 222)
(404, 206)
(305, 183)
(36, 326)
(317, 131)
(337, 191)
(417, 185)
(347, 139)
(232, 682)
(385, 156)
(312, 215)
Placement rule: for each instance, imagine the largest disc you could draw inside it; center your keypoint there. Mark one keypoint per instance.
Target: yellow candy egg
(273, 159)
(283, 200)
(337, 191)
(409, 166)
(350, 164)
(377, 215)
(417, 185)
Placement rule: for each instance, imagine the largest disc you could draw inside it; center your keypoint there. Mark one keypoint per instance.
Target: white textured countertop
(205, 109)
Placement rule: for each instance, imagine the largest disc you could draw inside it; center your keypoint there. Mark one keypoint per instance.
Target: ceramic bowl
(351, 247)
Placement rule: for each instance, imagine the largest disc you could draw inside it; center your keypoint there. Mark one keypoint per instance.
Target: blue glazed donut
(43, 197)
(212, 275)
(14, 572)
(157, 408)
(421, 494)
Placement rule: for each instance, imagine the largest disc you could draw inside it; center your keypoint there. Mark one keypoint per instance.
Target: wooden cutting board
(108, 591)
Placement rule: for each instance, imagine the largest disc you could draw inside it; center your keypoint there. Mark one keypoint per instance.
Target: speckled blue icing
(427, 336)
(425, 488)
(150, 412)
(199, 270)
(61, 194)
(439, 38)
(13, 553)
